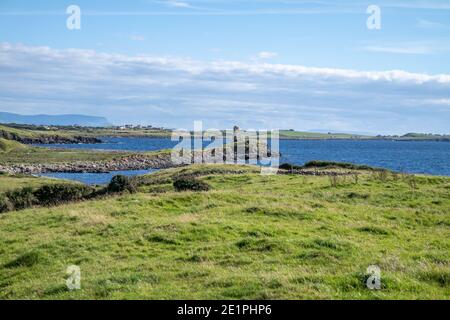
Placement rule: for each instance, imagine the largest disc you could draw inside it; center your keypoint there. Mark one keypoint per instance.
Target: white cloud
(438, 102)
(177, 4)
(174, 91)
(267, 55)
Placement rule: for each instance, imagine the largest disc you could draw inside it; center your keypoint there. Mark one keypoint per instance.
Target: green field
(249, 237)
(12, 182)
(30, 131)
(24, 132)
(12, 152)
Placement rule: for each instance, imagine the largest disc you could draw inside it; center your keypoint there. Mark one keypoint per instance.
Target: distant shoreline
(32, 134)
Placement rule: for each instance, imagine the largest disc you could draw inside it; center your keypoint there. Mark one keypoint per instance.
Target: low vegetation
(122, 183)
(46, 195)
(319, 164)
(249, 237)
(12, 182)
(189, 183)
(9, 145)
(56, 193)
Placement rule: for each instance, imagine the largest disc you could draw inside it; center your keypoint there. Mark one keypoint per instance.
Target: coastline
(131, 162)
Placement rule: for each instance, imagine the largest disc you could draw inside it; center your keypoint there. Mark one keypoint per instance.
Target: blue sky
(291, 64)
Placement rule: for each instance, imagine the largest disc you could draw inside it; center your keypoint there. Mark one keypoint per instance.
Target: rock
(133, 162)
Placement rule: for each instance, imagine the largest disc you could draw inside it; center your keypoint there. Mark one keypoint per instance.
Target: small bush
(59, 193)
(5, 204)
(333, 164)
(334, 180)
(22, 198)
(121, 183)
(190, 183)
(411, 180)
(290, 167)
(381, 175)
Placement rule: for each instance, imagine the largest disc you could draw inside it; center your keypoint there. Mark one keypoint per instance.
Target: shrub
(5, 204)
(333, 164)
(334, 180)
(22, 198)
(190, 183)
(290, 167)
(121, 183)
(381, 175)
(356, 177)
(58, 193)
(411, 180)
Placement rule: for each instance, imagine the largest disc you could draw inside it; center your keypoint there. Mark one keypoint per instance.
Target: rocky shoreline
(48, 139)
(132, 162)
(59, 140)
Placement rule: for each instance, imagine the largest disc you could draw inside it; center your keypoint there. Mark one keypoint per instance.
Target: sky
(288, 64)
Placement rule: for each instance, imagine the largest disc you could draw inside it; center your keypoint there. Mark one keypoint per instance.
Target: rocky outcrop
(59, 140)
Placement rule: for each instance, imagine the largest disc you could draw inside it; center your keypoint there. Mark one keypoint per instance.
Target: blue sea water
(428, 157)
(96, 178)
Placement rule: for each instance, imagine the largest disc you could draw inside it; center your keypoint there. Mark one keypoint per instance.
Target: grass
(30, 131)
(249, 237)
(12, 152)
(13, 182)
(9, 145)
(38, 155)
(25, 133)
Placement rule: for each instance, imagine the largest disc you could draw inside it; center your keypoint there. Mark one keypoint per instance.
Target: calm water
(95, 178)
(124, 144)
(406, 156)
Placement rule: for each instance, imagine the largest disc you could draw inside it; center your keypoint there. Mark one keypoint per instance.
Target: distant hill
(54, 120)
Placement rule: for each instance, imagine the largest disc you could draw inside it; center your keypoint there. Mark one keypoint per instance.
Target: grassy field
(249, 237)
(13, 152)
(29, 131)
(12, 182)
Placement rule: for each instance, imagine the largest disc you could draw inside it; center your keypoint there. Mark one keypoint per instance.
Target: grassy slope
(252, 236)
(12, 182)
(36, 131)
(8, 145)
(12, 152)
(31, 155)
(33, 133)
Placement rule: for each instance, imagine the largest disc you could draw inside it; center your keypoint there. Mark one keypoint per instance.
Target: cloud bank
(173, 92)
